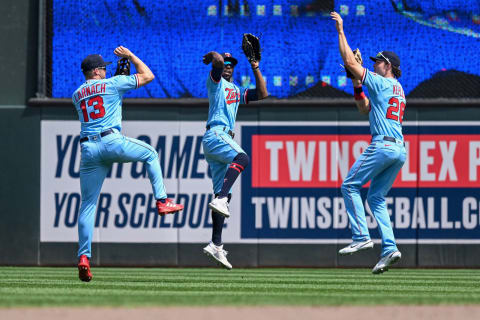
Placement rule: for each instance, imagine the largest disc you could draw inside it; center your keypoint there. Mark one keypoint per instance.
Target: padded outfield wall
(287, 208)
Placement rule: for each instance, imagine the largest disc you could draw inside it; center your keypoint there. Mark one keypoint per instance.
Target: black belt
(230, 132)
(102, 134)
(391, 139)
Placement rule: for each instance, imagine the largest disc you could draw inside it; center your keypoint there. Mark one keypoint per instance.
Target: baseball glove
(251, 47)
(123, 67)
(358, 57)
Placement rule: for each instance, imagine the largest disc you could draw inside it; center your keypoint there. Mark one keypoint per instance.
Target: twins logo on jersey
(232, 95)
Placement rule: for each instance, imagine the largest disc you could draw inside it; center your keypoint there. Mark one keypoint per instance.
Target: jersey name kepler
(398, 90)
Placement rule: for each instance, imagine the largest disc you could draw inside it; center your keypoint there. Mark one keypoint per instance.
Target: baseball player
(384, 157)
(99, 105)
(226, 159)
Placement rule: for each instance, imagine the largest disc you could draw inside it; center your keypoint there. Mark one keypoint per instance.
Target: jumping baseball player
(384, 157)
(99, 105)
(225, 157)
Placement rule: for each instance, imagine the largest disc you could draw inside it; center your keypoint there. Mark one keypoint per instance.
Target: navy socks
(239, 163)
(217, 225)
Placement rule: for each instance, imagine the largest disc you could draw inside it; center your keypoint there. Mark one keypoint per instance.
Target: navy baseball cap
(228, 57)
(388, 56)
(93, 61)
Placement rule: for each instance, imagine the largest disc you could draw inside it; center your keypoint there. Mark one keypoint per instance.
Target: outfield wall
(287, 209)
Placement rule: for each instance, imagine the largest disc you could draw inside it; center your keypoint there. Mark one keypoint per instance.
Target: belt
(102, 134)
(225, 129)
(392, 140)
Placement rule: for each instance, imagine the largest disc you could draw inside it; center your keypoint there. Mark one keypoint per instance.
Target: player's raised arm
(218, 65)
(345, 51)
(261, 86)
(251, 49)
(144, 74)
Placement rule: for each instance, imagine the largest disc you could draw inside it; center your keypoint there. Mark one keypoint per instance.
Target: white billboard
(126, 208)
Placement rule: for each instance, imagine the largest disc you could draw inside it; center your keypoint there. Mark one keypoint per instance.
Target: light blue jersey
(387, 102)
(99, 107)
(379, 163)
(99, 103)
(219, 147)
(224, 98)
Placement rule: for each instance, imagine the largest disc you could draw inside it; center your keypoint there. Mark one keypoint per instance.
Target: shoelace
(169, 203)
(225, 252)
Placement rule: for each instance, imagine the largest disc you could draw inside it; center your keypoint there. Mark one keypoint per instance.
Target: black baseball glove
(358, 57)
(251, 47)
(123, 67)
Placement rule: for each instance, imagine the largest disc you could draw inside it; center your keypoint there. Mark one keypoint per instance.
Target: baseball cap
(93, 61)
(388, 56)
(228, 57)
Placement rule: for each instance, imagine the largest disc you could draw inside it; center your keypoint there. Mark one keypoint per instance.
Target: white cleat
(386, 262)
(218, 254)
(220, 205)
(356, 246)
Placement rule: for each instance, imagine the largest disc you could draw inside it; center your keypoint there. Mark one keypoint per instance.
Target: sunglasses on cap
(380, 55)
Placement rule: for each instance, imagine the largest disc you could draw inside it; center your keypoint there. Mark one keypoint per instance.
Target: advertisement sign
(126, 210)
(293, 187)
(290, 193)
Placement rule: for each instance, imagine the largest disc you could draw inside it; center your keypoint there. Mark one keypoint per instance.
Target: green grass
(37, 286)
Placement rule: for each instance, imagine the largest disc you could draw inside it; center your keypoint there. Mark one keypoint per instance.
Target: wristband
(358, 93)
(255, 68)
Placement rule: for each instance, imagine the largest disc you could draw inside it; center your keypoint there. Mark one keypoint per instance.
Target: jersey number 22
(395, 109)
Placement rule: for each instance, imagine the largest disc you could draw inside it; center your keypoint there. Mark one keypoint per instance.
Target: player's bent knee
(152, 156)
(344, 188)
(348, 188)
(240, 162)
(374, 199)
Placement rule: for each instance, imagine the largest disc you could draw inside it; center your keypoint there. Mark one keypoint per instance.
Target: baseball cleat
(218, 254)
(168, 207)
(220, 205)
(386, 261)
(84, 269)
(356, 246)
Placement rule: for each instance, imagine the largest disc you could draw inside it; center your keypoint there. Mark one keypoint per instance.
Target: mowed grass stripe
(126, 294)
(331, 279)
(472, 287)
(195, 273)
(176, 286)
(251, 290)
(201, 298)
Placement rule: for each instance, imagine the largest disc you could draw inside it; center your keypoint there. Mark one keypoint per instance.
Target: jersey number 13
(99, 110)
